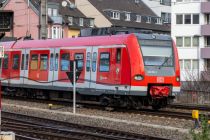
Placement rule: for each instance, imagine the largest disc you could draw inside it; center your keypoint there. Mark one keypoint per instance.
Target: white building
(161, 8)
(191, 32)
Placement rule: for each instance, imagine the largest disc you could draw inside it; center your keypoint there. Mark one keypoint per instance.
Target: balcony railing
(205, 30)
(205, 53)
(57, 19)
(205, 7)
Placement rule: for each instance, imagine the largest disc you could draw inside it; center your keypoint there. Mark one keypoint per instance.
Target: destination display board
(154, 42)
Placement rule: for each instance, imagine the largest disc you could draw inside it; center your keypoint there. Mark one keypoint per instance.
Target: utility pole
(74, 89)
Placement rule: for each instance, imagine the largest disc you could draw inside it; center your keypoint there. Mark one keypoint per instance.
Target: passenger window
(51, 62)
(44, 62)
(94, 59)
(34, 62)
(15, 64)
(26, 67)
(118, 55)
(88, 62)
(104, 62)
(56, 62)
(22, 62)
(65, 62)
(79, 57)
(5, 62)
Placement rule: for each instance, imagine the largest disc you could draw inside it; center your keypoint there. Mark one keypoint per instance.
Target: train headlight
(177, 79)
(138, 77)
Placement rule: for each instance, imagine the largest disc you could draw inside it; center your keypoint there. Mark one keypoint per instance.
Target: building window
(195, 41)
(195, 64)
(127, 16)
(55, 12)
(165, 2)
(179, 41)
(81, 22)
(207, 18)
(56, 32)
(187, 41)
(195, 18)
(166, 17)
(179, 19)
(138, 18)
(115, 15)
(187, 64)
(70, 20)
(181, 64)
(158, 21)
(49, 11)
(148, 20)
(91, 22)
(104, 62)
(187, 19)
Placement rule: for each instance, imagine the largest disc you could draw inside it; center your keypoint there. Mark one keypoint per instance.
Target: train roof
(66, 42)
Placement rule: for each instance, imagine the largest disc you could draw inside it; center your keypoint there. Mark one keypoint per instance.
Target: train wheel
(104, 100)
(156, 104)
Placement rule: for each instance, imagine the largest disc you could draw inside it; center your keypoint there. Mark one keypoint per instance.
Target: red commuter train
(130, 70)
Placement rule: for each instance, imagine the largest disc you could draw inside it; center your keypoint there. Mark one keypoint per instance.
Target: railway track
(34, 128)
(95, 105)
(190, 107)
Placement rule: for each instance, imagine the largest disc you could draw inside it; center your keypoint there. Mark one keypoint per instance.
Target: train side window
(88, 62)
(26, 67)
(118, 55)
(79, 57)
(34, 62)
(51, 62)
(5, 62)
(23, 62)
(16, 61)
(56, 62)
(65, 62)
(44, 62)
(104, 62)
(94, 59)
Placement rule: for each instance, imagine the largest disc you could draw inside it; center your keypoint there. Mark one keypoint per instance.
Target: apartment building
(191, 32)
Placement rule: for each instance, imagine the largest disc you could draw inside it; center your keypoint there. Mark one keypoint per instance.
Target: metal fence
(193, 97)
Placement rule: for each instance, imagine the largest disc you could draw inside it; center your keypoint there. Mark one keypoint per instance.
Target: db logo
(160, 79)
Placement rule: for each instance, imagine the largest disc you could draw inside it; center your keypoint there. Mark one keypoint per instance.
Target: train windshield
(157, 52)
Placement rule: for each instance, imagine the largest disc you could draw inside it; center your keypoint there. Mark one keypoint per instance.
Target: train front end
(159, 69)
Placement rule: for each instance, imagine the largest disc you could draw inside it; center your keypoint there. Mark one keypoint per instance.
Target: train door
(5, 65)
(93, 70)
(116, 65)
(15, 64)
(51, 65)
(39, 63)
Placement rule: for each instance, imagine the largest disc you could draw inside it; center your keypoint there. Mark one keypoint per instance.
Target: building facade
(161, 8)
(34, 18)
(191, 32)
(133, 14)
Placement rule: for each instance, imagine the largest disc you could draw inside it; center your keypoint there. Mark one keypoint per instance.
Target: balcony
(205, 53)
(205, 30)
(205, 7)
(57, 19)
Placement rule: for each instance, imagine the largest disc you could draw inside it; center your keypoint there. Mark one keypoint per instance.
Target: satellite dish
(64, 3)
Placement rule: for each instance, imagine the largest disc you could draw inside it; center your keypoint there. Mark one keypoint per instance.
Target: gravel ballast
(129, 122)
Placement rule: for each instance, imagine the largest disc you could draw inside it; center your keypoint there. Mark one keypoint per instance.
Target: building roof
(128, 6)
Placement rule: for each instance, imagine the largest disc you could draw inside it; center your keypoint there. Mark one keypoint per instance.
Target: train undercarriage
(124, 101)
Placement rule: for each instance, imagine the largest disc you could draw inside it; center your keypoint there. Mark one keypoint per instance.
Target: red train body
(127, 70)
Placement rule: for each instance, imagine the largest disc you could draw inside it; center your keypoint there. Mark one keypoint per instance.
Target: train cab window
(51, 62)
(56, 61)
(65, 62)
(44, 62)
(94, 59)
(22, 62)
(79, 57)
(26, 67)
(16, 61)
(118, 55)
(5, 62)
(104, 62)
(34, 62)
(88, 62)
